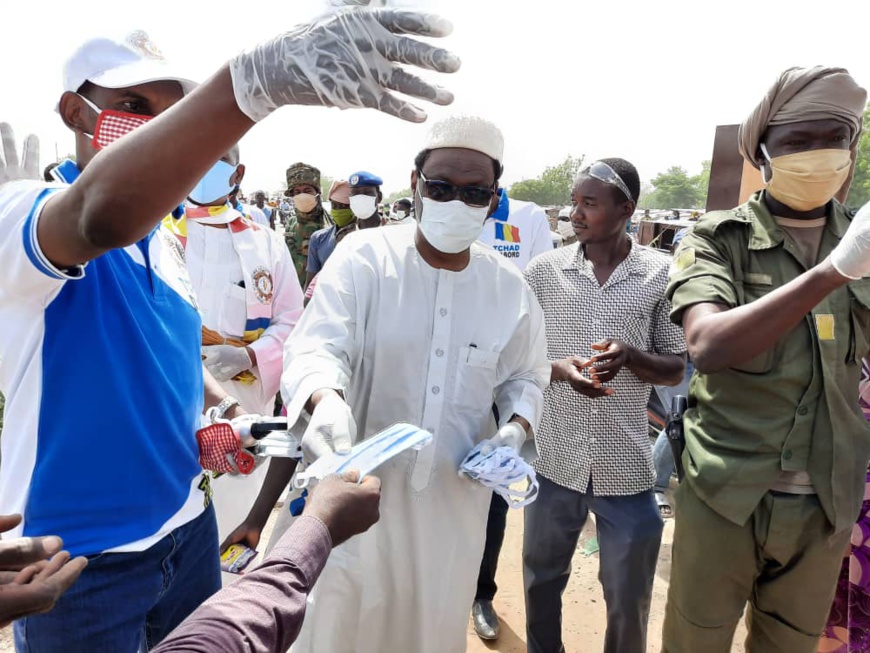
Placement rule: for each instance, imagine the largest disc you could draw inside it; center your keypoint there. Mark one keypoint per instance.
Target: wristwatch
(217, 412)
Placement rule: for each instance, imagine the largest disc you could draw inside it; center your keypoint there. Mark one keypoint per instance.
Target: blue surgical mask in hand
(368, 455)
(500, 468)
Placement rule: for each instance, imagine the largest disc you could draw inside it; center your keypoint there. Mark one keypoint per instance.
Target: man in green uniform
(303, 186)
(777, 319)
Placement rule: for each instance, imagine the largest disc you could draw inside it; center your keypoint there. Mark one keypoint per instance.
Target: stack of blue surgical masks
(499, 469)
(368, 455)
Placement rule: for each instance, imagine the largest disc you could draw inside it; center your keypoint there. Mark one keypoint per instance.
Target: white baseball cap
(112, 63)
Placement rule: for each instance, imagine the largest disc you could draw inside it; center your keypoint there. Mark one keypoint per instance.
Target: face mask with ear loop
(112, 125)
(368, 455)
(214, 185)
(806, 180)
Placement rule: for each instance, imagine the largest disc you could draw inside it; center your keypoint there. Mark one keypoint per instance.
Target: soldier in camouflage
(303, 186)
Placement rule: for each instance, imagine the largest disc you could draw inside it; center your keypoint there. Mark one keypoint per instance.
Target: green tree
(675, 189)
(553, 187)
(859, 194)
(702, 182)
(325, 185)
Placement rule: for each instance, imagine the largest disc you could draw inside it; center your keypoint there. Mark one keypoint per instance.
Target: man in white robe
(417, 324)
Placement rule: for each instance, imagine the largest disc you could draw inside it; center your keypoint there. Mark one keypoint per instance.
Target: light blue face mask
(368, 455)
(214, 185)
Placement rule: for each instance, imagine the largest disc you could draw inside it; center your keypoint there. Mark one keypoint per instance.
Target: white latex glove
(11, 169)
(346, 60)
(331, 428)
(510, 435)
(225, 361)
(242, 426)
(851, 257)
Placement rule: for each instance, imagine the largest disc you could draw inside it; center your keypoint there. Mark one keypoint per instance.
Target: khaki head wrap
(800, 94)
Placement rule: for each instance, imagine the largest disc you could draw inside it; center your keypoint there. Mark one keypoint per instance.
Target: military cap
(302, 173)
(363, 178)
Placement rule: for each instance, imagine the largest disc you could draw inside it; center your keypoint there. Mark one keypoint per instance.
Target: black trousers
(495, 525)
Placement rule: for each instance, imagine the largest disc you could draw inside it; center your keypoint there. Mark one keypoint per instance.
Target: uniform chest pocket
(763, 363)
(476, 377)
(234, 311)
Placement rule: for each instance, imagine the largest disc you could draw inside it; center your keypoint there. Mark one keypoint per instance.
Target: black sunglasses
(443, 191)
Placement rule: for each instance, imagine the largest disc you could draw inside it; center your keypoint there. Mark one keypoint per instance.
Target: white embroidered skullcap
(469, 132)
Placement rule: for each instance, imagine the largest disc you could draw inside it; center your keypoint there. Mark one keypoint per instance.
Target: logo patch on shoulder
(684, 259)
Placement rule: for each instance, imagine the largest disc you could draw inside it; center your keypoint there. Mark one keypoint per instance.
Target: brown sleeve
(263, 610)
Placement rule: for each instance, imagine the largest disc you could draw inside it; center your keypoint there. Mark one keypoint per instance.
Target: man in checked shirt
(609, 339)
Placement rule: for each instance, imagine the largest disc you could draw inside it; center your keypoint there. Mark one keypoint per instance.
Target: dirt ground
(583, 613)
(583, 616)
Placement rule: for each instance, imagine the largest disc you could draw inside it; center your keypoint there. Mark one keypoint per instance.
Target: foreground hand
(346, 507)
(11, 169)
(606, 365)
(225, 361)
(30, 584)
(331, 428)
(571, 371)
(346, 60)
(851, 256)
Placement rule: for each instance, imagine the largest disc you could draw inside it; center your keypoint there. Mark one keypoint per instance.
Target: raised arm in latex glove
(331, 428)
(851, 257)
(346, 60)
(11, 168)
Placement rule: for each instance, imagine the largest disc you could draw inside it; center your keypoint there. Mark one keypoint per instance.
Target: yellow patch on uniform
(825, 326)
(684, 259)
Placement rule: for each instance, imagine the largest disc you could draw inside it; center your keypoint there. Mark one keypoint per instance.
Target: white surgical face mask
(363, 206)
(368, 455)
(451, 227)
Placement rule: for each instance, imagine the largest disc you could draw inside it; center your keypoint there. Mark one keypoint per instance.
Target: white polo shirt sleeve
(28, 274)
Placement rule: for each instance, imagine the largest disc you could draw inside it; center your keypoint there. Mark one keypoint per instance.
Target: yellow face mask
(807, 180)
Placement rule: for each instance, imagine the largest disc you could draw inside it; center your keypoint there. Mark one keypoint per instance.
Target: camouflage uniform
(300, 227)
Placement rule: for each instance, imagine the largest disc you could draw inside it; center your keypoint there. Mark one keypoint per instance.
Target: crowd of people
(136, 313)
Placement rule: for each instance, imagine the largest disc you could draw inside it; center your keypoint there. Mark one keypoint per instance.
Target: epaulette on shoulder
(711, 222)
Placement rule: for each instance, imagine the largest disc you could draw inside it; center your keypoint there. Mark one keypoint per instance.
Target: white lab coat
(407, 342)
(215, 272)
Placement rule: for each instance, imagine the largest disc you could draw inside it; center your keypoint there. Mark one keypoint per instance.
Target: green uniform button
(786, 454)
(803, 410)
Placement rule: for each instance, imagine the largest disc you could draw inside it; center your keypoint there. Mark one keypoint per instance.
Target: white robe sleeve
(525, 360)
(287, 300)
(321, 350)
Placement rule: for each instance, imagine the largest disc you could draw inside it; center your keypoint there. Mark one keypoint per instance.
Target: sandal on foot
(665, 509)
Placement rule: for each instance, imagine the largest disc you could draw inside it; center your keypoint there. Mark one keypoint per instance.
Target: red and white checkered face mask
(112, 125)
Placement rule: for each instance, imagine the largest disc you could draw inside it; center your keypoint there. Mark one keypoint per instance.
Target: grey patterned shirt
(604, 440)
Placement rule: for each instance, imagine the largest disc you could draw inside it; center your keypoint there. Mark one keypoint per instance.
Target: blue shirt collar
(503, 210)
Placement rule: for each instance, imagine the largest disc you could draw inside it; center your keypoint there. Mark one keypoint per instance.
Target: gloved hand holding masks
(346, 60)
(510, 435)
(331, 428)
(851, 257)
(225, 361)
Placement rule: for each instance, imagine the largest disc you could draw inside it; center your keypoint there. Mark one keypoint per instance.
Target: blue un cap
(363, 178)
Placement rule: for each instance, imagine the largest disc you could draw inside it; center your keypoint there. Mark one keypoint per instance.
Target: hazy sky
(646, 81)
